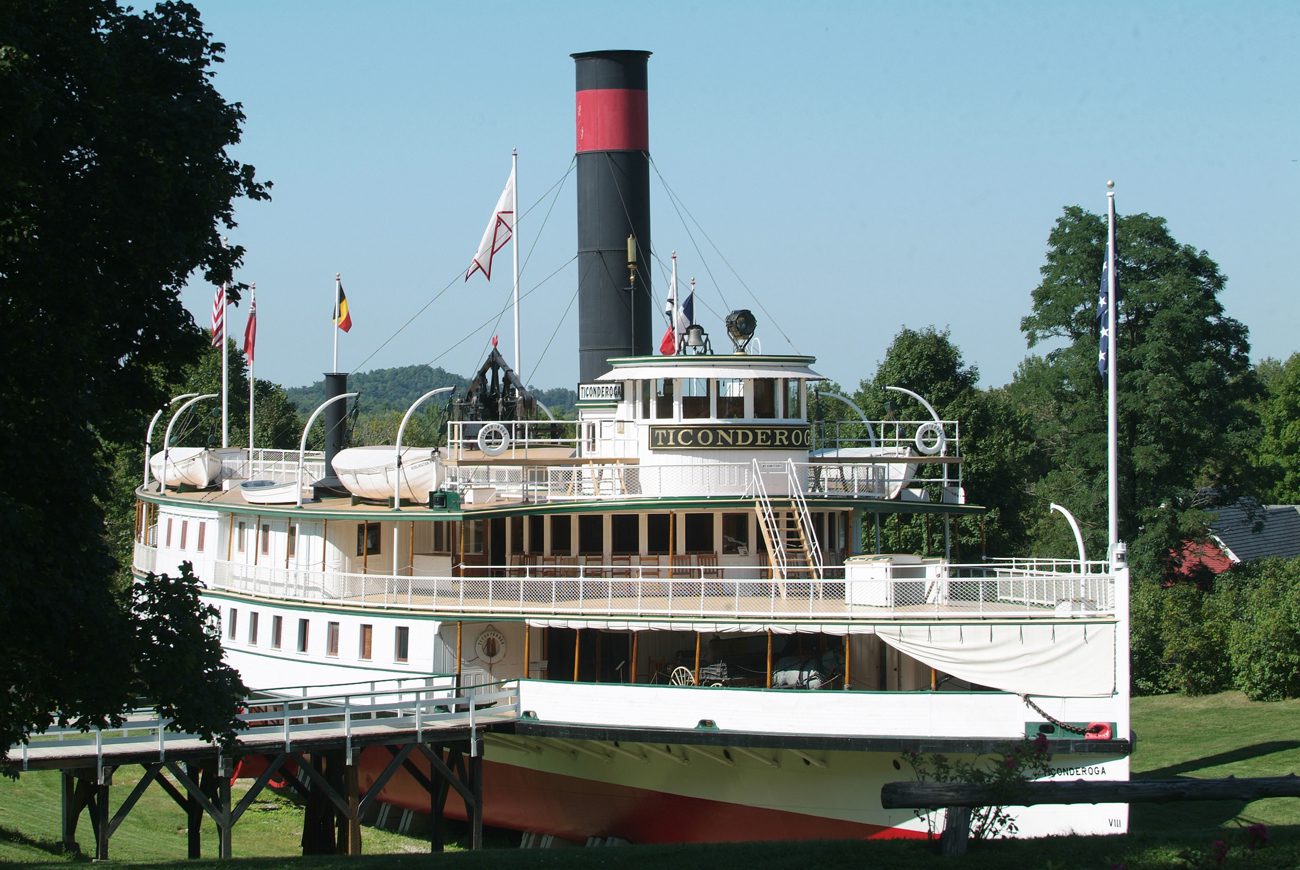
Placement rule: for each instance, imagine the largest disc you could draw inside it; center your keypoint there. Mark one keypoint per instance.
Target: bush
(1264, 639)
(1194, 628)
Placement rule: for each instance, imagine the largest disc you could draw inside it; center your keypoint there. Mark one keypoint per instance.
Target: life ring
(494, 439)
(926, 431)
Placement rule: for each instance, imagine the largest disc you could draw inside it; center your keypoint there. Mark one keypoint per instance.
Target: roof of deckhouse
(711, 366)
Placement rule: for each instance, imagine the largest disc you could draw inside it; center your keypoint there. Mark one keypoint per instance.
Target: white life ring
(924, 433)
(494, 439)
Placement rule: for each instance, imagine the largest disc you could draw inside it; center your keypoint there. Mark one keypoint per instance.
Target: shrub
(1194, 628)
(1264, 641)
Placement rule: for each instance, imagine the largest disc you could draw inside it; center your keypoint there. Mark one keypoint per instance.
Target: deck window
(401, 644)
(663, 398)
(591, 535)
(516, 534)
(699, 533)
(442, 538)
(203, 528)
(695, 398)
(291, 542)
(232, 623)
(303, 626)
(561, 536)
(266, 539)
(252, 627)
(536, 535)
(735, 534)
(731, 399)
(169, 532)
(624, 534)
(793, 410)
(473, 537)
(332, 639)
(365, 641)
(656, 534)
(647, 392)
(239, 536)
(185, 530)
(368, 539)
(277, 631)
(765, 398)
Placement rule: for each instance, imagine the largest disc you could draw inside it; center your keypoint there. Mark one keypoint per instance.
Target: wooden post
(459, 630)
(324, 541)
(546, 653)
(68, 811)
(769, 658)
(354, 803)
(956, 832)
(848, 662)
(697, 658)
(577, 646)
(257, 538)
(410, 553)
(528, 637)
(193, 814)
(230, 538)
(476, 786)
(226, 822)
(101, 814)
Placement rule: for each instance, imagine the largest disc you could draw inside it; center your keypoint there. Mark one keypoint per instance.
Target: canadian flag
(500, 228)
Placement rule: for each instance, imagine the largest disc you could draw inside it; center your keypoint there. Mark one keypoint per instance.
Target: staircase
(788, 533)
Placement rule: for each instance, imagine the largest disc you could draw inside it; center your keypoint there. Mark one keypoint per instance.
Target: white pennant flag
(499, 230)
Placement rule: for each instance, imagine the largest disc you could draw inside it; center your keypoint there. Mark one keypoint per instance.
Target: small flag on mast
(250, 330)
(342, 316)
(499, 230)
(1103, 307)
(219, 316)
(668, 344)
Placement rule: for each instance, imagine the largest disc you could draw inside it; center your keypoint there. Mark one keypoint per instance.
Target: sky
(844, 170)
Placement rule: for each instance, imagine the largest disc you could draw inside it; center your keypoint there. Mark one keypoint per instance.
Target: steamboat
(684, 585)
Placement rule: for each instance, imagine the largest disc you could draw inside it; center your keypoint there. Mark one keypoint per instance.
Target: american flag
(219, 317)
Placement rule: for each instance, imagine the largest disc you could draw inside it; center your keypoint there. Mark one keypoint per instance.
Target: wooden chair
(709, 571)
(679, 566)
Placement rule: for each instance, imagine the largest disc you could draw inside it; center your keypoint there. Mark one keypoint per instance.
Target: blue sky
(862, 166)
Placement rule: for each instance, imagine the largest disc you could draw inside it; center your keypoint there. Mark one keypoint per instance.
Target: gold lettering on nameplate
(730, 437)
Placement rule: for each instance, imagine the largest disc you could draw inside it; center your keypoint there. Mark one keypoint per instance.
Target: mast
(1112, 393)
(252, 379)
(334, 317)
(514, 173)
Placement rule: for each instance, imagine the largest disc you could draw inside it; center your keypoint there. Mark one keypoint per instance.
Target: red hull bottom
(529, 800)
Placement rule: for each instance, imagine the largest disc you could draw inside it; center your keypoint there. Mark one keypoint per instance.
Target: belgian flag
(342, 317)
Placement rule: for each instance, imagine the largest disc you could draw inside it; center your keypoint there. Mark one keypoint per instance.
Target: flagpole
(225, 370)
(252, 313)
(514, 173)
(334, 318)
(1112, 366)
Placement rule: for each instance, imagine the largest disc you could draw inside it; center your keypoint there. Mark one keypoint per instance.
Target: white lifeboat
(372, 472)
(192, 466)
(269, 492)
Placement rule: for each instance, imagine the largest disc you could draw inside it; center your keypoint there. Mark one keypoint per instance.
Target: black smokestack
(613, 203)
(336, 417)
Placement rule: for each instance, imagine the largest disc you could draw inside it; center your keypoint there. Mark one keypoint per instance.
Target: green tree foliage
(1264, 631)
(382, 390)
(116, 182)
(1185, 385)
(276, 421)
(996, 445)
(1278, 455)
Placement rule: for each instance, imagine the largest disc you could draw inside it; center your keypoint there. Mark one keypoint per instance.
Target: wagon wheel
(682, 676)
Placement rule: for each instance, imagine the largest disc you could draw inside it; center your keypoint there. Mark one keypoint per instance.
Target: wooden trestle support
(326, 781)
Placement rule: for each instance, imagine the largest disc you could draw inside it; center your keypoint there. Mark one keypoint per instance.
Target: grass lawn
(1216, 736)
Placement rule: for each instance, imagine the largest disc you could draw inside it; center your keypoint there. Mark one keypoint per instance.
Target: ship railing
(695, 587)
(265, 464)
(917, 435)
(291, 716)
(523, 438)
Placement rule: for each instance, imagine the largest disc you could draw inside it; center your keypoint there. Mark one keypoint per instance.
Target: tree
(996, 446)
(116, 186)
(1279, 447)
(1184, 385)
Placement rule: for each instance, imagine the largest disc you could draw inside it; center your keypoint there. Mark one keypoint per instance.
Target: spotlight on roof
(740, 328)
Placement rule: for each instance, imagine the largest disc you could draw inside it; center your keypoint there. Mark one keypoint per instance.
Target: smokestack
(336, 416)
(613, 144)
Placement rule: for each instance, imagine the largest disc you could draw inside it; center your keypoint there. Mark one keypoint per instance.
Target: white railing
(286, 716)
(523, 437)
(278, 465)
(690, 587)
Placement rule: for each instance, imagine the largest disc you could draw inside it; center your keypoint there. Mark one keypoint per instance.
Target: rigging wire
(681, 206)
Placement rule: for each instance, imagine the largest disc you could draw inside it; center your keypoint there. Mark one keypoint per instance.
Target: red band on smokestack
(613, 120)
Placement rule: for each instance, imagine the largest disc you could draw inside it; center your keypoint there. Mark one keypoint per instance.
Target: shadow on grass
(1245, 753)
(18, 838)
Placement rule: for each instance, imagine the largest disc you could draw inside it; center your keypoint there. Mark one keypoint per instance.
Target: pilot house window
(765, 398)
(731, 398)
(695, 398)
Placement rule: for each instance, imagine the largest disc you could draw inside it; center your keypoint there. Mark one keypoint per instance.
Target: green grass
(1216, 736)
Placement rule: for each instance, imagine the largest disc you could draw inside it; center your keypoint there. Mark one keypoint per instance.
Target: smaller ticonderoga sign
(601, 392)
(730, 438)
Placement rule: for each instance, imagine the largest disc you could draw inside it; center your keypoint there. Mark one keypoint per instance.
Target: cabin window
(699, 533)
(516, 534)
(536, 535)
(239, 536)
(442, 538)
(169, 532)
(647, 392)
(735, 534)
(368, 539)
(656, 534)
(731, 398)
(203, 528)
(332, 639)
(695, 398)
(252, 627)
(473, 537)
(765, 398)
(364, 642)
(232, 623)
(402, 644)
(277, 631)
(663, 398)
(591, 535)
(185, 529)
(266, 539)
(624, 534)
(303, 626)
(561, 536)
(793, 411)
(291, 542)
